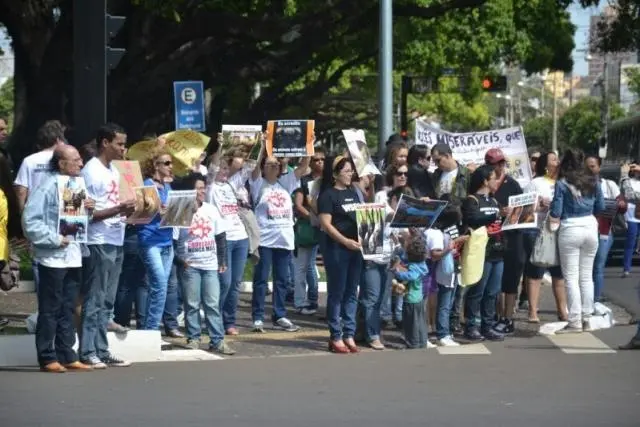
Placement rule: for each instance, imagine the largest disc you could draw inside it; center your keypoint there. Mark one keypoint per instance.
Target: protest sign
(359, 151)
(290, 138)
(180, 208)
(471, 147)
(412, 212)
(370, 218)
(522, 212)
(73, 218)
(239, 140)
(147, 205)
(130, 177)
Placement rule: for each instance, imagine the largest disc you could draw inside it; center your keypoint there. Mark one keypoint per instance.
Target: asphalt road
(522, 382)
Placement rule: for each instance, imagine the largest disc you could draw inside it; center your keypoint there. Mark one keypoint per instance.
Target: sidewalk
(623, 292)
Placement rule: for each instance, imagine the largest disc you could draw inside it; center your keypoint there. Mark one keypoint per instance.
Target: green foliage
(6, 99)
(581, 125)
(633, 74)
(538, 131)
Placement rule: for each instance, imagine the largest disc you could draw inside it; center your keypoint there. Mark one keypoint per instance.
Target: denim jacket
(40, 219)
(568, 203)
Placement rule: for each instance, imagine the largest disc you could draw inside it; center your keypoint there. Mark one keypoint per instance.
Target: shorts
(532, 271)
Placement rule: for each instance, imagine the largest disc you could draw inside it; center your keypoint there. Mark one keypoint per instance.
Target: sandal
(376, 345)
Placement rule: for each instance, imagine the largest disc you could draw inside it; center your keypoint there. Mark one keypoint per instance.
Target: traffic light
(494, 84)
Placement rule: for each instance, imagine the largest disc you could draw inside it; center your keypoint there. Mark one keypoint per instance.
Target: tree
(581, 125)
(538, 131)
(6, 99)
(633, 74)
(622, 31)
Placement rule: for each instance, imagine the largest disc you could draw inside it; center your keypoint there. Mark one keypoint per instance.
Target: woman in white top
(271, 194)
(544, 184)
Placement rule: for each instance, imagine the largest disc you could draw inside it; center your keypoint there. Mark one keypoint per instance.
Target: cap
(494, 156)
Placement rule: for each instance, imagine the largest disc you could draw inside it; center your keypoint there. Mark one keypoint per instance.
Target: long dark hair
(573, 170)
(14, 227)
(541, 164)
(478, 177)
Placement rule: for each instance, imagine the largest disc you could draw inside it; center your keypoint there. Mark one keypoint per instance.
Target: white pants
(578, 244)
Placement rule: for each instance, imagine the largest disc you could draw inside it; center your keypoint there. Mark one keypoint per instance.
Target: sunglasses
(166, 163)
(401, 173)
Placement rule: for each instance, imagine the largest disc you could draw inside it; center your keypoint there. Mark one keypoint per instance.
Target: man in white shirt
(101, 270)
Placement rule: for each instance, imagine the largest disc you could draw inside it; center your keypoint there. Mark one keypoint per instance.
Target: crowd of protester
(280, 216)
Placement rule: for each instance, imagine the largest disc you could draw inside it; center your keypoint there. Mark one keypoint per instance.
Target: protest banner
(523, 207)
(147, 205)
(359, 151)
(180, 208)
(239, 140)
(370, 218)
(290, 138)
(73, 218)
(130, 177)
(412, 212)
(471, 147)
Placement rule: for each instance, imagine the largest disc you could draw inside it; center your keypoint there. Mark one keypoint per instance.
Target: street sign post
(189, 105)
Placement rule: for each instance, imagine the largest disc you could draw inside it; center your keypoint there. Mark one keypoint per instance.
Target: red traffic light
(486, 84)
(494, 84)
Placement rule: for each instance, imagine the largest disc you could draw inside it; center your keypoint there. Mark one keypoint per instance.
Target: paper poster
(523, 212)
(415, 213)
(181, 206)
(359, 151)
(239, 140)
(73, 218)
(130, 177)
(472, 146)
(370, 217)
(290, 138)
(147, 205)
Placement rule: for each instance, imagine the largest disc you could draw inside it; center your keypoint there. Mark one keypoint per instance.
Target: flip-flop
(534, 321)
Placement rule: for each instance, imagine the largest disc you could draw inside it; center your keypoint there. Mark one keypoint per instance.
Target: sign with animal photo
(290, 138)
(239, 140)
(180, 208)
(370, 218)
(522, 212)
(73, 217)
(147, 205)
(416, 213)
(130, 177)
(359, 151)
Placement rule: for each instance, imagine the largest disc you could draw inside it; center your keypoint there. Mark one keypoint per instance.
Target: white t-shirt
(33, 169)
(197, 244)
(630, 215)
(447, 179)
(72, 258)
(274, 210)
(103, 187)
(545, 188)
(435, 240)
(222, 195)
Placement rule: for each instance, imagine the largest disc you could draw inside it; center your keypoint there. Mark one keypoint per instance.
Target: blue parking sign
(189, 103)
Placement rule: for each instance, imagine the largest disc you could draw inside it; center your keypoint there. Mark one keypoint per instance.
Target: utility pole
(554, 140)
(605, 107)
(385, 76)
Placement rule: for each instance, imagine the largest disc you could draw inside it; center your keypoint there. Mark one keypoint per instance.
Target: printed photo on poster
(239, 140)
(290, 138)
(370, 218)
(522, 212)
(71, 195)
(359, 151)
(181, 206)
(73, 228)
(147, 205)
(130, 177)
(415, 213)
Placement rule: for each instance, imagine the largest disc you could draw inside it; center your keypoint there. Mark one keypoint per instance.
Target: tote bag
(545, 248)
(472, 259)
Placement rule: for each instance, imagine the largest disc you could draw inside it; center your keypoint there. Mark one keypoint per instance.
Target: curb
(248, 286)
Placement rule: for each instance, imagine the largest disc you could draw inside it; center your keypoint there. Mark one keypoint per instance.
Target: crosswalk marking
(184, 355)
(584, 343)
(464, 349)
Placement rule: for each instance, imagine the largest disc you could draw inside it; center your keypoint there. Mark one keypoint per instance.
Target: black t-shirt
(509, 187)
(512, 238)
(480, 210)
(339, 204)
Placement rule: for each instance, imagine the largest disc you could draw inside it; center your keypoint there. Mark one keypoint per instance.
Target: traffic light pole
(385, 76)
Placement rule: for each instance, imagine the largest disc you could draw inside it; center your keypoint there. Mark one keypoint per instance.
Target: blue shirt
(566, 205)
(151, 234)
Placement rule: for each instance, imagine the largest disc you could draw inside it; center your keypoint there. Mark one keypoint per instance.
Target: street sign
(189, 104)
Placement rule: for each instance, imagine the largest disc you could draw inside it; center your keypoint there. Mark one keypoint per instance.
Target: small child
(411, 269)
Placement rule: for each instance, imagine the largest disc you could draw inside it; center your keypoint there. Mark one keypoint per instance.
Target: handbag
(305, 234)
(545, 249)
(10, 274)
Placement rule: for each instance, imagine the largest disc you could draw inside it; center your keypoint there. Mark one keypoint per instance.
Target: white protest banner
(471, 147)
(522, 212)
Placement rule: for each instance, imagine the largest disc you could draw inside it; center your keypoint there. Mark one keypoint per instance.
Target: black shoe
(473, 335)
(504, 327)
(456, 329)
(492, 335)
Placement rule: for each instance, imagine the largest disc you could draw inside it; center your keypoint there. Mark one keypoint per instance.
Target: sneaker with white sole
(286, 325)
(308, 311)
(95, 363)
(115, 362)
(448, 342)
(258, 326)
(430, 344)
(222, 348)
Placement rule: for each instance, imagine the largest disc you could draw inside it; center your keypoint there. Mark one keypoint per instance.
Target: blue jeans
(344, 268)
(36, 275)
(202, 287)
(306, 290)
(480, 302)
(131, 287)
(372, 289)
(630, 244)
(237, 251)
(101, 273)
(157, 261)
(172, 303)
(391, 307)
(446, 297)
(291, 277)
(279, 260)
(599, 263)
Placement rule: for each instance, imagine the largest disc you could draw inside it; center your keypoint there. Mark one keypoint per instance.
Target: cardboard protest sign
(523, 212)
(471, 147)
(239, 140)
(73, 218)
(359, 151)
(415, 213)
(130, 177)
(290, 138)
(370, 218)
(147, 205)
(185, 146)
(180, 208)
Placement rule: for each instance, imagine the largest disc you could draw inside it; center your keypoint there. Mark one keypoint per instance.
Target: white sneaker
(258, 326)
(448, 342)
(430, 344)
(286, 325)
